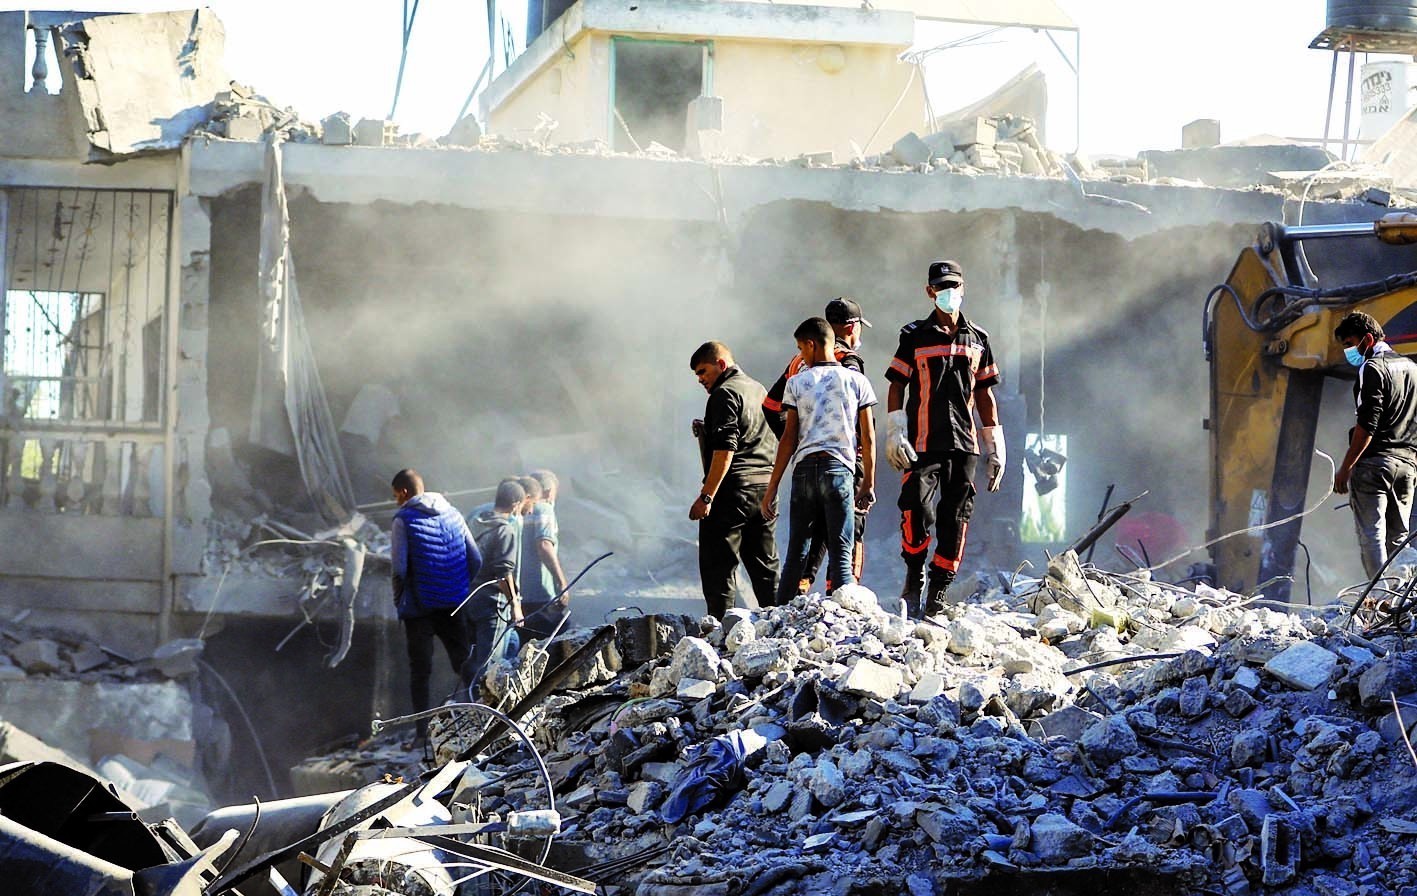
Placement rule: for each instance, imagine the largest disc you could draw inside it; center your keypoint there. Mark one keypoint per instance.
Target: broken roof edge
(653, 189)
(744, 20)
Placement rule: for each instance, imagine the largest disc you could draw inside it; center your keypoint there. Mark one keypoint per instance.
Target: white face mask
(949, 298)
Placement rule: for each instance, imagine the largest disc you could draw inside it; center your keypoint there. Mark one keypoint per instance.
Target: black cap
(943, 273)
(844, 311)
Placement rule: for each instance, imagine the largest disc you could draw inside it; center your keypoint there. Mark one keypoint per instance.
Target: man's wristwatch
(706, 498)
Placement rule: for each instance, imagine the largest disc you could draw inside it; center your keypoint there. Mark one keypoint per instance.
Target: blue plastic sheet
(716, 772)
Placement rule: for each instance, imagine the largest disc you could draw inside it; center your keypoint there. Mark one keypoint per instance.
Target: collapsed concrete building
(178, 411)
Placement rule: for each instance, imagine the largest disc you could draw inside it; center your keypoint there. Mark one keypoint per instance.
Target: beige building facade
(784, 79)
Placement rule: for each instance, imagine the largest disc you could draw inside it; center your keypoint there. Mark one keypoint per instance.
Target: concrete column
(192, 507)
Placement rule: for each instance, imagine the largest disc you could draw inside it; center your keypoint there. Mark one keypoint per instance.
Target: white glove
(994, 455)
(898, 449)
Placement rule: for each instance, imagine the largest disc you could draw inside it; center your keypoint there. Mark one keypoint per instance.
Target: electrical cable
(250, 726)
(246, 838)
(1308, 567)
(900, 99)
(403, 53)
(1263, 526)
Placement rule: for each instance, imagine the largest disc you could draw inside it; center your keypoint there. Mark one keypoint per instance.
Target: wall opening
(40, 43)
(54, 354)
(83, 366)
(651, 86)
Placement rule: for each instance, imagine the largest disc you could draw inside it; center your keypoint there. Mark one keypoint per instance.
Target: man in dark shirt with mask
(1380, 468)
(942, 370)
(737, 449)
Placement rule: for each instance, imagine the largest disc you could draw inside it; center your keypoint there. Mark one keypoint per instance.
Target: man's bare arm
(546, 551)
(895, 397)
(988, 406)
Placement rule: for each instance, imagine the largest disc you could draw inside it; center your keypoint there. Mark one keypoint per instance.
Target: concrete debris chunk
(738, 630)
(694, 658)
(1069, 722)
(39, 656)
(826, 783)
(1056, 840)
(1305, 666)
(867, 678)
(695, 689)
(178, 659)
(1393, 674)
(337, 130)
(1246, 678)
(856, 599)
(758, 658)
(1108, 741)
(88, 656)
(911, 150)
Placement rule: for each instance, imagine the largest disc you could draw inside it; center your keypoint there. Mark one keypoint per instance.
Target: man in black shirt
(846, 319)
(942, 370)
(737, 450)
(1380, 468)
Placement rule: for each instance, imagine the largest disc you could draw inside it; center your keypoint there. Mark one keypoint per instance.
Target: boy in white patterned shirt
(825, 404)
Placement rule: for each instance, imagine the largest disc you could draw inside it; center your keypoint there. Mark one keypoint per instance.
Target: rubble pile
(1082, 721)
(68, 699)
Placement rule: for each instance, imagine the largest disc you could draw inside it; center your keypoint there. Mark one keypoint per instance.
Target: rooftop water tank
(541, 13)
(1373, 15)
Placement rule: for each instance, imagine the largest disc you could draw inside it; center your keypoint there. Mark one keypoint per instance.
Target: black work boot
(940, 582)
(910, 593)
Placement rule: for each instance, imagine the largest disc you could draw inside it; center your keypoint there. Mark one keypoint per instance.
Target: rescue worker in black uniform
(1379, 470)
(845, 316)
(738, 451)
(943, 370)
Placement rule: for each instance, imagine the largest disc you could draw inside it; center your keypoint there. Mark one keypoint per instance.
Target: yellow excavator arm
(1269, 342)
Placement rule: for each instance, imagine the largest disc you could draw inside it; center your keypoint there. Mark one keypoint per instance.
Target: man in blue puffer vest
(434, 562)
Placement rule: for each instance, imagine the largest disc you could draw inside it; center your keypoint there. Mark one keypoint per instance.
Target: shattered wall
(127, 83)
(53, 122)
(517, 339)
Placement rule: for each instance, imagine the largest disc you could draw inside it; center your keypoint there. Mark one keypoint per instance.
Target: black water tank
(541, 13)
(1373, 15)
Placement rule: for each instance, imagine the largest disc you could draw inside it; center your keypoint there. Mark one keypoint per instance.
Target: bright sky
(1148, 67)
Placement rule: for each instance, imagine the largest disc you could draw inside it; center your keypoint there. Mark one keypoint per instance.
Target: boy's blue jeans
(822, 489)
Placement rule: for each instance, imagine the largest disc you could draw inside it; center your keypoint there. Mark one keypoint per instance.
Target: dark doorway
(653, 84)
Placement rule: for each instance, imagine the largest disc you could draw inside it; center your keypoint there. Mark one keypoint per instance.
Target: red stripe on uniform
(772, 404)
(946, 563)
(922, 410)
(900, 367)
(951, 564)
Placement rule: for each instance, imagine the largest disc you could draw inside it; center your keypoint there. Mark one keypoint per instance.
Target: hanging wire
(1260, 528)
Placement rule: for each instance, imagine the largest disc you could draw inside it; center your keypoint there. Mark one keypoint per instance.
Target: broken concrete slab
(695, 689)
(152, 100)
(1305, 666)
(38, 656)
(1069, 722)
